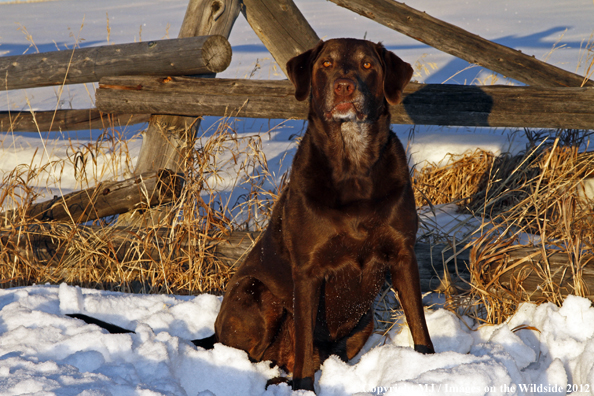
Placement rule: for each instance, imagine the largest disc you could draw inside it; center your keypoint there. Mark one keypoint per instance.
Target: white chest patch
(354, 137)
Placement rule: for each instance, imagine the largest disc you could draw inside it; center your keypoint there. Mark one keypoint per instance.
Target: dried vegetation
(174, 256)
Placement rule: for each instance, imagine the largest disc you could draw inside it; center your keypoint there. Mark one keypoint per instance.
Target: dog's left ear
(299, 69)
(397, 74)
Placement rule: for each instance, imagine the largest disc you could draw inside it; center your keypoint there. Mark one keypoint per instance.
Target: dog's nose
(344, 87)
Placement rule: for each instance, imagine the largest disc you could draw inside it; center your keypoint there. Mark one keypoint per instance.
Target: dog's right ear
(397, 74)
(299, 69)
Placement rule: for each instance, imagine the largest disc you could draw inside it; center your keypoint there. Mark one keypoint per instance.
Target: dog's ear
(397, 74)
(299, 69)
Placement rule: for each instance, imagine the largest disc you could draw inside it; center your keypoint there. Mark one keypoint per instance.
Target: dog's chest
(355, 138)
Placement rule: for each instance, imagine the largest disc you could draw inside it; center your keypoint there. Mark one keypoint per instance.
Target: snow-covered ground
(544, 350)
(44, 352)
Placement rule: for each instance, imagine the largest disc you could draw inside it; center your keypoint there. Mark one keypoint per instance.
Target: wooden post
(169, 138)
(281, 27)
(464, 45)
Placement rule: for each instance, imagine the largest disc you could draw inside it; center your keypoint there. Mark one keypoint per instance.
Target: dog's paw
(303, 383)
(424, 349)
(279, 380)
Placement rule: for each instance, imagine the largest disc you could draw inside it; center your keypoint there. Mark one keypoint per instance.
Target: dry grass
(175, 257)
(535, 243)
(539, 193)
(457, 181)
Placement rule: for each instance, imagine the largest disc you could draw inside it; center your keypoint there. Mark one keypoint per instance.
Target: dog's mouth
(345, 111)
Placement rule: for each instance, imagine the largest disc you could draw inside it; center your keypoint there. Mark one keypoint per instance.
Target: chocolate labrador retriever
(345, 220)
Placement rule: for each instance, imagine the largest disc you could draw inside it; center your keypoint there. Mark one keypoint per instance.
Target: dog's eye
(327, 64)
(367, 65)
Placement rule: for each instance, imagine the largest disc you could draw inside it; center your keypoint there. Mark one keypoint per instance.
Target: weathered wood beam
(458, 42)
(48, 242)
(431, 104)
(106, 199)
(189, 56)
(281, 27)
(65, 120)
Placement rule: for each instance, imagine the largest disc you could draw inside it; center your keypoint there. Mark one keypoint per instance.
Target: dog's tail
(113, 329)
(206, 343)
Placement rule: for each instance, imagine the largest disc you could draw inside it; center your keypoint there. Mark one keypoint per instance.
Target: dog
(346, 219)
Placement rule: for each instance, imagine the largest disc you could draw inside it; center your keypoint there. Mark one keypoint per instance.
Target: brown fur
(346, 219)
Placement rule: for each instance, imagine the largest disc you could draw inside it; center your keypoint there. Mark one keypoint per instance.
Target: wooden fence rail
(65, 120)
(462, 105)
(458, 42)
(187, 56)
(107, 199)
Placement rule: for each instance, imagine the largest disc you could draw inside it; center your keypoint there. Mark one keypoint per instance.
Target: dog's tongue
(343, 107)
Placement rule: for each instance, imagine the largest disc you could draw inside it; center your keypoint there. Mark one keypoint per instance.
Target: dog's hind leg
(250, 317)
(347, 347)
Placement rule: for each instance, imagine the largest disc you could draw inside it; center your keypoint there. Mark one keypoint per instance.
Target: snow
(540, 350)
(45, 352)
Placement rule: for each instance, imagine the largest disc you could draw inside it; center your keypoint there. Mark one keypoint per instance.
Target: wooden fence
(138, 82)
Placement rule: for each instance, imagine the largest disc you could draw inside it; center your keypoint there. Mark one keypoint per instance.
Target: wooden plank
(458, 42)
(281, 27)
(65, 120)
(41, 244)
(188, 56)
(431, 104)
(107, 199)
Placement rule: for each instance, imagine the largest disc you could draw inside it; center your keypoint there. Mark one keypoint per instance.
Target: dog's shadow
(437, 104)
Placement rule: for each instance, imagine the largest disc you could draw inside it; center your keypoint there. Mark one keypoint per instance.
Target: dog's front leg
(405, 278)
(306, 297)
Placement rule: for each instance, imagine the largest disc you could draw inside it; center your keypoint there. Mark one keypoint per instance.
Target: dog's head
(349, 79)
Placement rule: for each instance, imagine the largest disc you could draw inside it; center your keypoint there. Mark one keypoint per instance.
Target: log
(197, 55)
(169, 138)
(430, 104)
(48, 249)
(39, 242)
(107, 199)
(281, 27)
(458, 42)
(65, 120)
(526, 277)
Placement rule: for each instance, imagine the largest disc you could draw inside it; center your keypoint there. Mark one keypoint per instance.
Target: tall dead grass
(177, 256)
(458, 181)
(536, 241)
